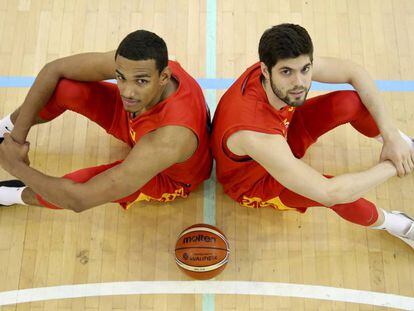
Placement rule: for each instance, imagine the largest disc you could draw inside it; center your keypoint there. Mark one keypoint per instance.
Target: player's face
(139, 82)
(291, 79)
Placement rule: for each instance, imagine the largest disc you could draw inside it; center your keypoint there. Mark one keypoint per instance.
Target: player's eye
(142, 81)
(306, 69)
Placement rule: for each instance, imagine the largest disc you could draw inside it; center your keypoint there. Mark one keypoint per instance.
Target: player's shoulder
(252, 136)
(170, 135)
(244, 141)
(177, 140)
(172, 142)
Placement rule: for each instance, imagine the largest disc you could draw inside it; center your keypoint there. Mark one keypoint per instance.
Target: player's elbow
(74, 205)
(336, 194)
(356, 72)
(74, 201)
(328, 199)
(77, 207)
(52, 69)
(79, 204)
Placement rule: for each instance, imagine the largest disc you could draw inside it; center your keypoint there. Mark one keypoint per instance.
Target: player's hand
(26, 143)
(12, 153)
(399, 153)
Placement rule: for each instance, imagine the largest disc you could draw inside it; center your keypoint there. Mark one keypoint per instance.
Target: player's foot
(408, 236)
(10, 192)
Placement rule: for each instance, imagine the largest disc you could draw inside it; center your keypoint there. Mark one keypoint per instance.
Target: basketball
(202, 251)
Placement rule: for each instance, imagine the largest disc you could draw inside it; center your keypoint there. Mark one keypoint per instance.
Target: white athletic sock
(403, 135)
(11, 195)
(394, 223)
(6, 125)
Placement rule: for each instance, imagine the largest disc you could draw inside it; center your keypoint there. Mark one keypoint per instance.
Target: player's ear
(265, 71)
(165, 76)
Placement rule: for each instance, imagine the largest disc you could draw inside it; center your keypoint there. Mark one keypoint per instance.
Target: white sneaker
(408, 237)
(7, 198)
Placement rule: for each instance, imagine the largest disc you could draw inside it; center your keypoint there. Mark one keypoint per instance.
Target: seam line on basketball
(202, 247)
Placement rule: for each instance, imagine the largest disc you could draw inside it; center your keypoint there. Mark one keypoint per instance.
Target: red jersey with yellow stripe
(245, 107)
(186, 107)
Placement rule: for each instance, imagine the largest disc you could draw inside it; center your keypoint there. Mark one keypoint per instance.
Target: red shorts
(310, 121)
(101, 103)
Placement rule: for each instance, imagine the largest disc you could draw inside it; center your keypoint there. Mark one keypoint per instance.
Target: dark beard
(286, 99)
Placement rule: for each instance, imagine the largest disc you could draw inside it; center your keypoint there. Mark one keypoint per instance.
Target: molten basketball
(202, 251)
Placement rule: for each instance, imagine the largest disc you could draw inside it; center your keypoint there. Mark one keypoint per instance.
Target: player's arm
(153, 153)
(81, 67)
(274, 154)
(333, 70)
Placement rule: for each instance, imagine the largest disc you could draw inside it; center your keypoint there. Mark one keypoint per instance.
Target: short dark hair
(284, 41)
(143, 45)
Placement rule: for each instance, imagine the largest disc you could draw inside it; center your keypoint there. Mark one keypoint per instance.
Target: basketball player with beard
(264, 124)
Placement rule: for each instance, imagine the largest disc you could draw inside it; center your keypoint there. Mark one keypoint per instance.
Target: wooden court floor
(41, 248)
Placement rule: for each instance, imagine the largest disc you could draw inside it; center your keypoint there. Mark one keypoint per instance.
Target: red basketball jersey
(186, 107)
(245, 107)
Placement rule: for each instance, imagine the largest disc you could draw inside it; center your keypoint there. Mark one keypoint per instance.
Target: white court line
(207, 287)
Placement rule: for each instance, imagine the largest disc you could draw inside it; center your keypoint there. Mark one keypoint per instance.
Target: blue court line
(16, 81)
(383, 85)
(211, 98)
(212, 83)
(209, 214)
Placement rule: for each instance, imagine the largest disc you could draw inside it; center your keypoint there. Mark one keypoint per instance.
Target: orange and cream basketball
(202, 251)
